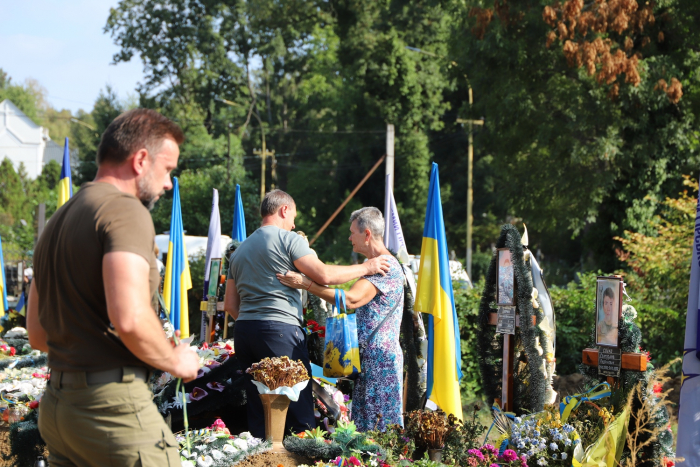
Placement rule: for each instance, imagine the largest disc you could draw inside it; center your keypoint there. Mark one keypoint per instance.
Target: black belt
(127, 374)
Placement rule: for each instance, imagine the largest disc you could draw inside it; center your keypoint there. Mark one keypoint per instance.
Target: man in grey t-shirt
(268, 314)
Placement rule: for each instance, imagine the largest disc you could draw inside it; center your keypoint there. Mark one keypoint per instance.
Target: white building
(23, 141)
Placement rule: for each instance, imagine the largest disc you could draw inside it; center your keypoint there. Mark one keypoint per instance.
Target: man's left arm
(232, 300)
(37, 334)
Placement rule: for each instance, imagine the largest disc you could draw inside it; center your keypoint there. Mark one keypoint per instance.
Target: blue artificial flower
(564, 456)
(576, 441)
(555, 457)
(518, 420)
(537, 433)
(521, 445)
(568, 428)
(542, 447)
(558, 437)
(553, 447)
(530, 453)
(567, 442)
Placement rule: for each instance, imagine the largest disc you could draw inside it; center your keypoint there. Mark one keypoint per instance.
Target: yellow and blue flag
(238, 232)
(3, 284)
(434, 296)
(65, 182)
(177, 270)
(21, 307)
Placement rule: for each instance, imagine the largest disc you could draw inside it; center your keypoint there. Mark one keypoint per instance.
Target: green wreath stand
(528, 370)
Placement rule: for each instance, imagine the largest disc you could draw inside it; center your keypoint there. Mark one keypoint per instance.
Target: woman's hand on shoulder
(294, 280)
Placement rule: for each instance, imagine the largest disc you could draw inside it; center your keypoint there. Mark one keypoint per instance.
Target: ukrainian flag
(238, 232)
(65, 183)
(21, 307)
(177, 270)
(435, 297)
(3, 284)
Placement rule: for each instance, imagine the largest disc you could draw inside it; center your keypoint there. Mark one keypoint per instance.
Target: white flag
(393, 234)
(688, 443)
(213, 251)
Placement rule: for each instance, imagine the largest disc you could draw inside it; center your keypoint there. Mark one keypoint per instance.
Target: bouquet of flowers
(278, 372)
(488, 456)
(313, 327)
(216, 447)
(429, 429)
(543, 439)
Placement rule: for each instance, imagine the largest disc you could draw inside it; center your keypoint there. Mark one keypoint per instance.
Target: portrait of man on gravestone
(506, 279)
(608, 307)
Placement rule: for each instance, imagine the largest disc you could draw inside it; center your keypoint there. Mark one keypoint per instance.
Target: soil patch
(567, 385)
(674, 396)
(270, 459)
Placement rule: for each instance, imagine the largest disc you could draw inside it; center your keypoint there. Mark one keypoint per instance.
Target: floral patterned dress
(379, 388)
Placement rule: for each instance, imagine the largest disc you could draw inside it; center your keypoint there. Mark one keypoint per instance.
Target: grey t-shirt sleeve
(297, 246)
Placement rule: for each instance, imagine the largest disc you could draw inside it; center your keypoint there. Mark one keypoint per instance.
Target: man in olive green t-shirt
(91, 306)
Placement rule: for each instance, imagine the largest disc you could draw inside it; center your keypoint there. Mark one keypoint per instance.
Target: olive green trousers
(113, 424)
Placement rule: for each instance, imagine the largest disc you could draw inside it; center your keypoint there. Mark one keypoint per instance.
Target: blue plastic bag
(341, 358)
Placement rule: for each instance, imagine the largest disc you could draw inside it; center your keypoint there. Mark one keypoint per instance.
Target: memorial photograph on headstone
(506, 281)
(608, 310)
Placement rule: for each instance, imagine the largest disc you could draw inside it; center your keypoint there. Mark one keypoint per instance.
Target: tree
(575, 151)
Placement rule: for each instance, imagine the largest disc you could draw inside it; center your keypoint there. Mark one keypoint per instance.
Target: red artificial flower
(228, 347)
(33, 404)
(668, 462)
(354, 461)
(12, 351)
(312, 323)
(205, 345)
(658, 388)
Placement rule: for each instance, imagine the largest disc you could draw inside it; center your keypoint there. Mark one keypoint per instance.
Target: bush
(467, 307)
(574, 311)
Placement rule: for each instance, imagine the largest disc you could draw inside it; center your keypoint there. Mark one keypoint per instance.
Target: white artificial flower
(217, 455)
(240, 443)
(229, 448)
(205, 461)
(187, 464)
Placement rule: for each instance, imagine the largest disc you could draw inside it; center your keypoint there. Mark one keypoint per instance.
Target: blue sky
(60, 44)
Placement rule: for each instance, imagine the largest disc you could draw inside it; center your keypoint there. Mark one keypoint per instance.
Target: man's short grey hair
(369, 218)
(273, 201)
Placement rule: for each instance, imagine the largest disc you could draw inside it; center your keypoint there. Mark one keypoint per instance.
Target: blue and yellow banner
(435, 297)
(177, 279)
(3, 284)
(238, 232)
(21, 307)
(65, 182)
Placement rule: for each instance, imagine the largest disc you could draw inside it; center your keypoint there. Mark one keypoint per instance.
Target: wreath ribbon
(572, 402)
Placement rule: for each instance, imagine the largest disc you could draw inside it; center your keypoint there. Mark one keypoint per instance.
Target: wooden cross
(629, 361)
(507, 390)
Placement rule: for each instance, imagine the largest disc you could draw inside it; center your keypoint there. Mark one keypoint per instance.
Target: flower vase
(275, 407)
(435, 455)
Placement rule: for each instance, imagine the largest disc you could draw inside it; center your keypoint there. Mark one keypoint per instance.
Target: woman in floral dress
(377, 400)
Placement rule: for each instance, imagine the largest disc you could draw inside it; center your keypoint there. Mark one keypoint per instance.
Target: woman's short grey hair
(273, 201)
(369, 218)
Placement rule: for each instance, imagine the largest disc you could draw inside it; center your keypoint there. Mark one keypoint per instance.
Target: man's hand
(378, 265)
(294, 280)
(185, 363)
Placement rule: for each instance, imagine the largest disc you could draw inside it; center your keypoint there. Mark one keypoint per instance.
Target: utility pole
(389, 158)
(470, 180)
(263, 155)
(228, 162)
